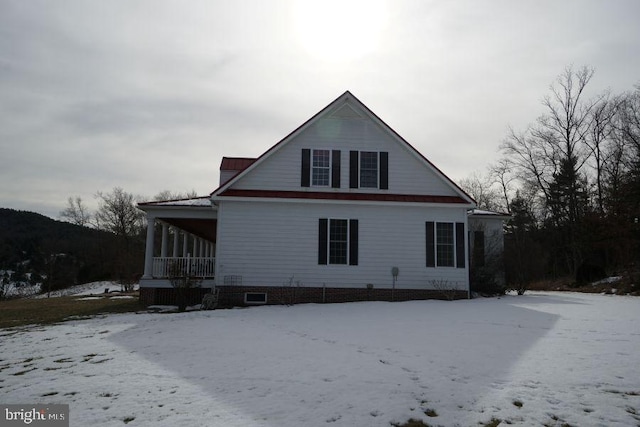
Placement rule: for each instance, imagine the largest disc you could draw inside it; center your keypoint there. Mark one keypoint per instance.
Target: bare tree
(172, 195)
(628, 125)
(501, 173)
(117, 213)
(481, 189)
(76, 212)
(558, 138)
(600, 142)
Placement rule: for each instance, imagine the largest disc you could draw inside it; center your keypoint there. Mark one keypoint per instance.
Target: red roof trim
(408, 198)
(236, 163)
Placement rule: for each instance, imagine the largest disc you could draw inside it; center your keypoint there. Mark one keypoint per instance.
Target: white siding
(267, 243)
(493, 233)
(407, 173)
(226, 175)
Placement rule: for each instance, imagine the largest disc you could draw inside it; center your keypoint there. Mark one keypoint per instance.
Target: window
(255, 297)
(445, 244)
(369, 169)
(338, 241)
(321, 168)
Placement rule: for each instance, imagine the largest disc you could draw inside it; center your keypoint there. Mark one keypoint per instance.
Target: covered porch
(181, 238)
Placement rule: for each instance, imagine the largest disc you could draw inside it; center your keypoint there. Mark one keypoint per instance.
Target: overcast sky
(149, 95)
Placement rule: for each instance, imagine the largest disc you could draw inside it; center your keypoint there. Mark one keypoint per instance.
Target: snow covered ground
(532, 360)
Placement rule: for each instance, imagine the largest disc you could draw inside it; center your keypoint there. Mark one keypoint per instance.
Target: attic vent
(346, 112)
(255, 297)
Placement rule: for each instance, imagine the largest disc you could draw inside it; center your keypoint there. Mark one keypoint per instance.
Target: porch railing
(194, 266)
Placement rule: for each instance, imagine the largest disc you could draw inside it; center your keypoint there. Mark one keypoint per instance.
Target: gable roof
(345, 111)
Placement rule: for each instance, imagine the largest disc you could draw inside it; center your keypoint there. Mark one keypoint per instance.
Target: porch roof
(196, 215)
(203, 201)
(481, 213)
(204, 228)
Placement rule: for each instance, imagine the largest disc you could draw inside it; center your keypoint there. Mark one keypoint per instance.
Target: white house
(341, 209)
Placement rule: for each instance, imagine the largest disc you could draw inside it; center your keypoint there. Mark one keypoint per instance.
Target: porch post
(176, 236)
(148, 252)
(195, 246)
(185, 244)
(165, 238)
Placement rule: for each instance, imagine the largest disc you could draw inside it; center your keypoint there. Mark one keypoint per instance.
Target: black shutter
(322, 241)
(305, 174)
(384, 170)
(478, 248)
(460, 252)
(353, 169)
(335, 169)
(431, 249)
(353, 242)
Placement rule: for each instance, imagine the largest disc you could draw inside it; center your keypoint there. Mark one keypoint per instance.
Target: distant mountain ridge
(34, 243)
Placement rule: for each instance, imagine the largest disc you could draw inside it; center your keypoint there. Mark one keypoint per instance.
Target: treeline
(117, 214)
(87, 246)
(571, 181)
(35, 249)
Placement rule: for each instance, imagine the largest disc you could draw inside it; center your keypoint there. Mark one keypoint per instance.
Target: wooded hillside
(65, 253)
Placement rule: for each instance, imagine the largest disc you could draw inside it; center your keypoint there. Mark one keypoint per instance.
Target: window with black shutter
(369, 169)
(445, 244)
(338, 241)
(320, 168)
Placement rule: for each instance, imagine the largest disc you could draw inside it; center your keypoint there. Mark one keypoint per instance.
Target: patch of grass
(24, 372)
(431, 413)
(412, 422)
(517, 403)
(556, 419)
(494, 422)
(95, 362)
(626, 393)
(20, 312)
